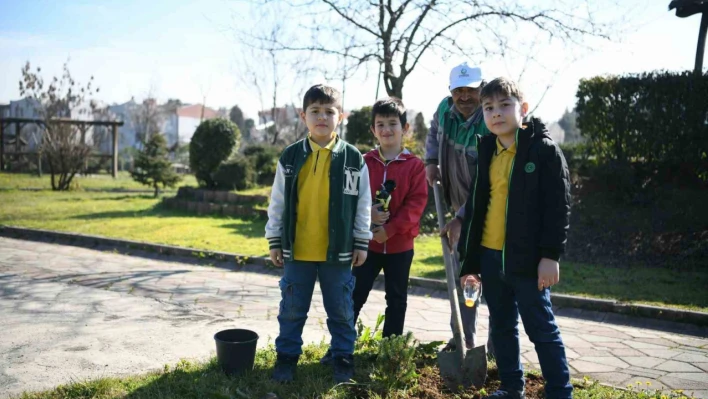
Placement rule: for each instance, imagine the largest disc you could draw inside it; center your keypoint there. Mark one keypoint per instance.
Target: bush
(152, 165)
(429, 219)
(395, 366)
(623, 182)
(654, 123)
(97, 164)
(236, 174)
(264, 159)
(364, 148)
(368, 340)
(578, 156)
(359, 128)
(213, 142)
(395, 358)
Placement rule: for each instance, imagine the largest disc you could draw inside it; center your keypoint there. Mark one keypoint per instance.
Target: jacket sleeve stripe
(362, 221)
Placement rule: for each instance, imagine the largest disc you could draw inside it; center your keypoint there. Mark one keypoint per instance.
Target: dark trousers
(509, 296)
(396, 268)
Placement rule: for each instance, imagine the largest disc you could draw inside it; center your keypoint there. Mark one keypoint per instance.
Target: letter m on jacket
(351, 181)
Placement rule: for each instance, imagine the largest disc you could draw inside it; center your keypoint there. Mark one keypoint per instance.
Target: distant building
(30, 134)
(177, 122)
(283, 115)
(188, 118)
(124, 112)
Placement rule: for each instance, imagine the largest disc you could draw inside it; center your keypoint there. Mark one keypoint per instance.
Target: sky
(187, 50)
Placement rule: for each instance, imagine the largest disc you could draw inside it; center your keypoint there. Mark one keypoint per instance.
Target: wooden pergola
(83, 127)
(686, 8)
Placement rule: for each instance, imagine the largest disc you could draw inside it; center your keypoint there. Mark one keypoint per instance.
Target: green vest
(457, 151)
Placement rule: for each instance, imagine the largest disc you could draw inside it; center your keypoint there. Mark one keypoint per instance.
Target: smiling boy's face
(503, 114)
(322, 120)
(389, 131)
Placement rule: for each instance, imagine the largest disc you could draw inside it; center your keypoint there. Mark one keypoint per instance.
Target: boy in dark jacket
(318, 227)
(517, 222)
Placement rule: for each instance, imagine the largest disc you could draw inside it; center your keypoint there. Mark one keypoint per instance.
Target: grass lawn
(205, 380)
(130, 216)
(94, 182)
(636, 284)
(139, 217)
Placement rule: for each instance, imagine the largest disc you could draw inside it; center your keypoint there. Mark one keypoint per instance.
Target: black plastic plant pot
(236, 350)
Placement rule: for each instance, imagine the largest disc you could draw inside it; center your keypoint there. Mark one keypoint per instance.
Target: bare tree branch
(63, 145)
(400, 34)
(419, 20)
(350, 19)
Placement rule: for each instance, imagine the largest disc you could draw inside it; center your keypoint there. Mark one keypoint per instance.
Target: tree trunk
(700, 50)
(63, 181)
(52, 171)
(70, 177)
(394, 88)
(157, 189)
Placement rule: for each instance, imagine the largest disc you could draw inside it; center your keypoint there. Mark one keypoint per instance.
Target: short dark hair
(389, 106)
(501, 87)
(322, 94)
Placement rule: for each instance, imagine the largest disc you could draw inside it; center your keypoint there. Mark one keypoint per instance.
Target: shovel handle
(450, 274)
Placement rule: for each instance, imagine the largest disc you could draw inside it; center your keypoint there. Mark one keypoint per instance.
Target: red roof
(195, 111)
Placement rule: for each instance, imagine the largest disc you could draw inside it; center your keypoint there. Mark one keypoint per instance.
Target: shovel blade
(475, 367)
(473, 372)
(451, 370)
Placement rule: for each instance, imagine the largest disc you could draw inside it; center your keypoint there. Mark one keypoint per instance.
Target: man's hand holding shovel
(452, 232)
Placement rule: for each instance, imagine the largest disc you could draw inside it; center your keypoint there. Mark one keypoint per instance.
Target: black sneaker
(285, 366)
(327, 359)
(504, 393)
(343, 368)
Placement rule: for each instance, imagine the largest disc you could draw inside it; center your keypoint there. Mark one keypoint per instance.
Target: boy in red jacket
(394, 230)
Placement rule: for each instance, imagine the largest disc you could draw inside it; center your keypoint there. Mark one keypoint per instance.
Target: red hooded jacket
(408, 200)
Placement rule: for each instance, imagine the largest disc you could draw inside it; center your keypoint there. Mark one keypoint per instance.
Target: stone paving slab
(136, 314)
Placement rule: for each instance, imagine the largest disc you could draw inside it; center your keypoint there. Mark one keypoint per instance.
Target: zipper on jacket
(506, 210)
(384, 180)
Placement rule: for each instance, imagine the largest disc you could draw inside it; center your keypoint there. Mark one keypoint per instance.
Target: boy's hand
(452, 232)
(378, 216)
(358, 258)
(464, 278)
(548, 273)
(276, 256)
(432, 174)
(380, 235)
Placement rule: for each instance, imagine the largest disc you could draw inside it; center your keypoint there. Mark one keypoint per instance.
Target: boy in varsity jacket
(318, 227)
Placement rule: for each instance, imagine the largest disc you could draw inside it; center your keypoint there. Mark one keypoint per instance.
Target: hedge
(656, 119)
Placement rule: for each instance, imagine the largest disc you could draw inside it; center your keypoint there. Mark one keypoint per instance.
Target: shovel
(459, 368)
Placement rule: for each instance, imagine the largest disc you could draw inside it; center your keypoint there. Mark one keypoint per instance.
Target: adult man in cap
(451, 157)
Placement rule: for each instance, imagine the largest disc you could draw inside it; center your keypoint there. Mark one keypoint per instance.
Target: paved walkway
(70, 313)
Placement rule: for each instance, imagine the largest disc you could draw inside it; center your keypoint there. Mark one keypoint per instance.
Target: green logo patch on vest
(530, 167)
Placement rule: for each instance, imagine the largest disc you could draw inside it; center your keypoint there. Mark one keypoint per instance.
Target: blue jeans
(507, 297)
(296, 287)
